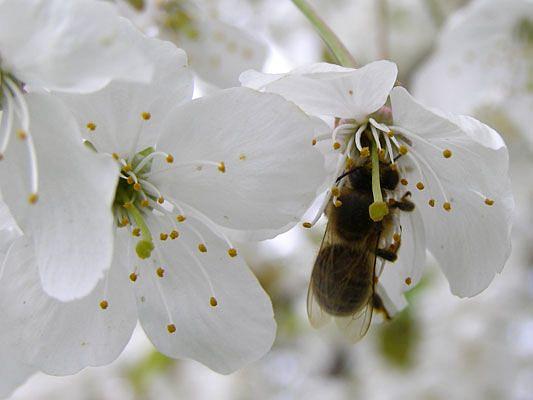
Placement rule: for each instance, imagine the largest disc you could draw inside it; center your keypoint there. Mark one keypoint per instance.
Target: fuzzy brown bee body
(344, 274)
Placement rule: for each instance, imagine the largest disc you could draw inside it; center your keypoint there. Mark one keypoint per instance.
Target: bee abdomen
(342, 280)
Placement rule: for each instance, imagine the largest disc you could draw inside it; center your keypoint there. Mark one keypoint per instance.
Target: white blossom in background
(455, 168)
(483, 65)
(218, 51)
(75, 46)
(186, 170)
(400, 30)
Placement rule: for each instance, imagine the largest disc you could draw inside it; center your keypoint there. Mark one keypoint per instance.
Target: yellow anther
(22, 135)
(242, 157)
(127, 205)
(381, 154)
(124, 221)
(337, 203)
(91, 126)
(394, 167)
(180, 218)
(104, 304)
(365, 152)
(136, 232)
(127, 168)
(420, 186)
(137, 187)
(390, 133)
(396, 237)
(222, 167)
(145, 203)
(431, 202)
(161, 200)
(160, 272)
(447, 206)
(130, 180)
(32, 198)
(232, 252)
(163, 236)
(115, 156)
(335, 191)
(403, 150)
(489, 202)
(146, 116)
(313, 142)
(404, 181)
(171, 328)
(174, 234)
(336, 146)
(213, 302)
(408, 281)
(202, 248)
(133, 277)
(447, 153)
(307, 225)
(350, 163)
(170, 159)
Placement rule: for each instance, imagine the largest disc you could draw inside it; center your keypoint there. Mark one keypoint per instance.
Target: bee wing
(355, 327)
(317, 317)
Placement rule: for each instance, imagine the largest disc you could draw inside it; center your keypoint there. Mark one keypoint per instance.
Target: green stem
(378, 209)
(376, 188)
(145, 245)
(331, 40)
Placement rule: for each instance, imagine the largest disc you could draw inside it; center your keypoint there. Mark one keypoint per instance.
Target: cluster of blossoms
(121, 195)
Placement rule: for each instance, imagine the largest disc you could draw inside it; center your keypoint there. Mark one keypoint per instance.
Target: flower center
(136, 193)
(383, 142)
(179, 18)
(15, 120)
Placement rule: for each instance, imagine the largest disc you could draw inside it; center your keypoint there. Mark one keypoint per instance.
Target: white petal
(259, 80)
(62, 338)
(219, 52)
(405, 273)
(239, 330)
(471, 242)
(354, 94)
(71, 224)
(75, 46)
(116, 110)
(272, 170)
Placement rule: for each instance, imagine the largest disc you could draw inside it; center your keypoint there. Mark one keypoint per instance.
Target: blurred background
(469, 57)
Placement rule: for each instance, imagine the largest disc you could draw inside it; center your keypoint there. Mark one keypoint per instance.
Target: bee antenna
(346, 174)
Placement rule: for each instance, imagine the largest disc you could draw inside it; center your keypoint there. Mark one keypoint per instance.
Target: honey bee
(345, 272)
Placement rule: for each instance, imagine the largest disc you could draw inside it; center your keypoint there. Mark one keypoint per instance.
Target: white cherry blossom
(454, 167)
(484, 65)
(239, 160)
(218, 50)
(73, 46)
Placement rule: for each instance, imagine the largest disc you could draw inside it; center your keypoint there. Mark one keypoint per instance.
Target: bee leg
(386, 254)
(404, 204)
(390, 253)
(378, 305)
